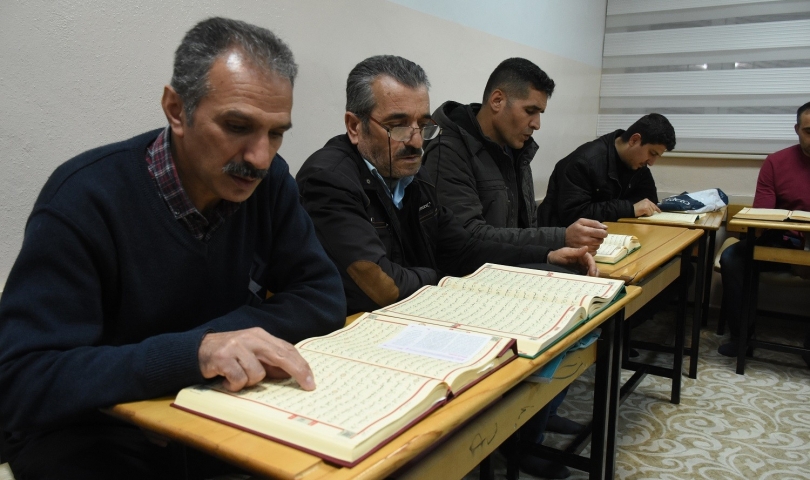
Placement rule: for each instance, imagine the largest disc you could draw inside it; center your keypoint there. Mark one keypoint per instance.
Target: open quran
(616, 247)
(774, 214)
(390, 368)
(673, 218)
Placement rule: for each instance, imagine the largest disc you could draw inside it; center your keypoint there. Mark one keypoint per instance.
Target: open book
(534, 307)
(671, 217)
(373, 381)
(616, 247)
(774, 214)
(392, 367)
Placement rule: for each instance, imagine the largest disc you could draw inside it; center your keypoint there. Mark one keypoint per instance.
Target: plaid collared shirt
(162, 169)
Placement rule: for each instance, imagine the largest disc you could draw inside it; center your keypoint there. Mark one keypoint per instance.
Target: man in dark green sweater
(149, 265)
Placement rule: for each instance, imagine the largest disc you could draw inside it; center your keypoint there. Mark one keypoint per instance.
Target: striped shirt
(162, 169)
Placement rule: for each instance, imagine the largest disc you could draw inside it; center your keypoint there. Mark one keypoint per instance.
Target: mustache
(408, 151)
(245, 170)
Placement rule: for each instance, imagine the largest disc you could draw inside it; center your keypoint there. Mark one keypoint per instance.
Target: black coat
(585, 184)
(491, 194)
(380, 258)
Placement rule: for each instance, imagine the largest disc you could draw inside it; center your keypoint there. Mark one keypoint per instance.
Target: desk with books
(709, 223)
(472, 425)
(754, 228)
(660, 261)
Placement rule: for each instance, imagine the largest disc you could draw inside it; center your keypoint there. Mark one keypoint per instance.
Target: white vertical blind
(729, 74)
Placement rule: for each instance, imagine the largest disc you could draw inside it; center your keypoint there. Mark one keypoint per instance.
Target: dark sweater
(110, 296)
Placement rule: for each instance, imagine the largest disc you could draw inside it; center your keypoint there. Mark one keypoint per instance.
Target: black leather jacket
(491, 194)
(384, 254)
(585, 184)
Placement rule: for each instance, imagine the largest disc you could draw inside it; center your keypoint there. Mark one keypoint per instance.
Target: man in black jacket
(609, 178)
(481, 164)
(377, 214)
(481, 167)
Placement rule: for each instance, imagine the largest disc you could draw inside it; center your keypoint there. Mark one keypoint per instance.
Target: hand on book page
(585, 233)
(356, 407)
(575, 258)
(246, 357)
(366, 393)
(645, 208)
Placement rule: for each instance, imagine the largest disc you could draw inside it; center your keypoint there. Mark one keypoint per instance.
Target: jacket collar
(461, 120)
(613, 155)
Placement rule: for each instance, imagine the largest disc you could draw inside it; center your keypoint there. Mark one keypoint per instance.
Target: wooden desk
(754, 229)
(453, 421)
(709, 223)
(653, 267)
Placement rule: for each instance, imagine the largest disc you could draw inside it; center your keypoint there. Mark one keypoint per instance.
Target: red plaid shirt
(162, 169)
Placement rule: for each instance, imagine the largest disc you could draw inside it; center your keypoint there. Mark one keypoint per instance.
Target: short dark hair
(800, 111)
(653, 128)
(359, 96)
(209, 39)
(514, 76)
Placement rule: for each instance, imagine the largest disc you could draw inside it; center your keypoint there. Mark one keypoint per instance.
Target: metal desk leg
(707, 285)
(680, 329)
(700, 279)
(615, 391)
(605, 399)
(749, 306)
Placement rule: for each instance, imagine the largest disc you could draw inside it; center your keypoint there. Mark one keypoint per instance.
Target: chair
(780, 279)
(731, 210)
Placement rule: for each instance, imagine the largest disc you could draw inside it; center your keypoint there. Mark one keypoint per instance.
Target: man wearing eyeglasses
(376, 213)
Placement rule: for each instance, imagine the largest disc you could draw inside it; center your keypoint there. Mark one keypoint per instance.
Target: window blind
(729, 74)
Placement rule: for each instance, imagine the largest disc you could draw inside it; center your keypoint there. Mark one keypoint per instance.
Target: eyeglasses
(403, 134)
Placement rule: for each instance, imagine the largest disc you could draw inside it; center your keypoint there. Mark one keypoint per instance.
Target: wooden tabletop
(775, 254)
(707, 221)
(659, 244)
(769, 224)
(268, 458)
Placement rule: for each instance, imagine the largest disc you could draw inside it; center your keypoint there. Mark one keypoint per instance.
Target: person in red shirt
(783, 182)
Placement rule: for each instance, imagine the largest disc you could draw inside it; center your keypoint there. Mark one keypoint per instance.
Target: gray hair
(213, 37)
(359, 96)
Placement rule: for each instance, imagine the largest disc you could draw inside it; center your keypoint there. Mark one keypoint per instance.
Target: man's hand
(577, 258)
(246, 357)
(645, 208)
(585, 233)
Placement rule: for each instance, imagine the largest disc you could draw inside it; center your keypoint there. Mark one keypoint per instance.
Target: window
(729, 74)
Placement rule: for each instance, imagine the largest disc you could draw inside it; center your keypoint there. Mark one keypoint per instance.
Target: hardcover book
(616, 247)
(672, 217)
(774, 214)
(390, 368)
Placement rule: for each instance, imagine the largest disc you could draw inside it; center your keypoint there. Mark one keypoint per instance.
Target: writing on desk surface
(479, 440)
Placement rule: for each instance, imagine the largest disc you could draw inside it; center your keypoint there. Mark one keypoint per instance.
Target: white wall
(78, 74)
